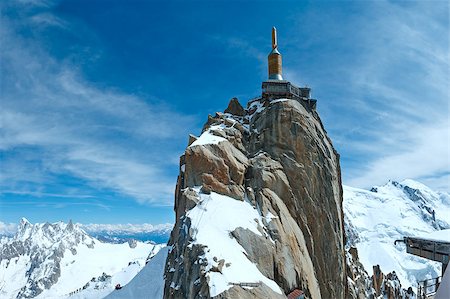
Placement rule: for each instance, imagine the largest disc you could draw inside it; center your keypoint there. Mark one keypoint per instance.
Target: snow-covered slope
(149, 283)
(213, 219)
(56, 260)
(376, 218)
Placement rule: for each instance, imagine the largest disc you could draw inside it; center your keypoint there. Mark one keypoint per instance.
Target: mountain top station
(276, 87)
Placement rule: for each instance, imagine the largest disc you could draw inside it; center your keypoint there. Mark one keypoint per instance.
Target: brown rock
(288, 168)
(235, 108)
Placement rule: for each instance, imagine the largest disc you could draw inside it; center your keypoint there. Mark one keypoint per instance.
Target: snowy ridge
(375, 219)
(148, 283)
(53, 260)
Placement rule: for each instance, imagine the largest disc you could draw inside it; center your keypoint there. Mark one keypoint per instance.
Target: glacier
(375, 219)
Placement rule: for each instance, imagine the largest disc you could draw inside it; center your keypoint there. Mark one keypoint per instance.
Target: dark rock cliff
(276, 157)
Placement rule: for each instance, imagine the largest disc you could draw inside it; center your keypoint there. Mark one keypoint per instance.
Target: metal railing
(246, 284)
(427, 288)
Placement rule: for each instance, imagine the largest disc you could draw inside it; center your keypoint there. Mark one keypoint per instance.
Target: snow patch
(208, 138)
(440, 235)
(213, 219)
(270, 216)
(279, 101)
(254, 108)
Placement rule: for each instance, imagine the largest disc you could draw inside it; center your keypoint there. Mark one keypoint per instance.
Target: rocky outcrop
(276, 157)
(235, 108)
(362, 286)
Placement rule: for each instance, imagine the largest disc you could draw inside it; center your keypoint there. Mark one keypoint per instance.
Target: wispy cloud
(53, 122)
(388, 99)
(409, 82)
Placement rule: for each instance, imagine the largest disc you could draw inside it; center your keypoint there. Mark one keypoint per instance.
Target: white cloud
(53, 122)
(7, 229)
(428, 154)
(387, 103)
(441, 182)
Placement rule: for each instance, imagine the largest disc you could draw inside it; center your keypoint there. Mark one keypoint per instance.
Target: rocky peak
(23, 229)
(235, 108)
(70, 226)
(23, 222)
(47, 234)
(417, 194)
(361, 285)
(43, 241)
(258, 205)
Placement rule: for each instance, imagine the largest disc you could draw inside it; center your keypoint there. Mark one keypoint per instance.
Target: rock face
(276, 158)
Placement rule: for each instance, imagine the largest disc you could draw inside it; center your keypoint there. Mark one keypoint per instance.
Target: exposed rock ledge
(260, 187)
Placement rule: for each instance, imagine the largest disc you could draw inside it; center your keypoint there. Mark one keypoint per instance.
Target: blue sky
(98, 97)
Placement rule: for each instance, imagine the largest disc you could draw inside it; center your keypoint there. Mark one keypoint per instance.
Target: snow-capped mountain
(112, 233)
(119, 233)
(376, 218)
(54, 260)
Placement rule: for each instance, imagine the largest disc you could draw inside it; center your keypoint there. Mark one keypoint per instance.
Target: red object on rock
(296, 294)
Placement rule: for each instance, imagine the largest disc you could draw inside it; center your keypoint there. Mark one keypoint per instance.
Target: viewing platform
(283, 89)
(434, 250)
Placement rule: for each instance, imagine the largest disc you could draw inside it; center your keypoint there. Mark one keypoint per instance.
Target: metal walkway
(438, 251)
(434, 250)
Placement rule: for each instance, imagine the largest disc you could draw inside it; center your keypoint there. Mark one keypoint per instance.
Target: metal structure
(438, 251)
(428, 288)
(282, 89)
(434, 250)
(246, 284)
(296, 294)
(276, 87)
(285, 89)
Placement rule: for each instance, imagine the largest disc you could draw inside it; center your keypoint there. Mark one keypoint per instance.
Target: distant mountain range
(55, 260)
(113, 233)
(119, 233)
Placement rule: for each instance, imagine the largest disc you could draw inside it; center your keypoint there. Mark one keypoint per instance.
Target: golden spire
(274, 37)
(274, 58)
